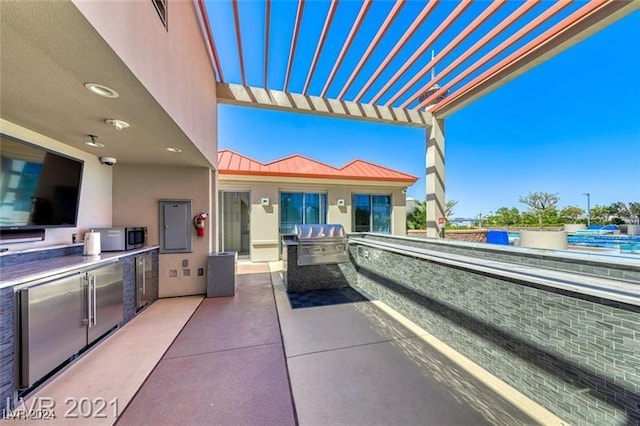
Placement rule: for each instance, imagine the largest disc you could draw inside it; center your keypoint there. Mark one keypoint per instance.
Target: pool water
(624, 243)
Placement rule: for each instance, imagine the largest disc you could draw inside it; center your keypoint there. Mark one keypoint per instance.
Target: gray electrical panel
(175, 226)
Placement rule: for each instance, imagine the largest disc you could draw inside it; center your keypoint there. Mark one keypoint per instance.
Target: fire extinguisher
(198, 222)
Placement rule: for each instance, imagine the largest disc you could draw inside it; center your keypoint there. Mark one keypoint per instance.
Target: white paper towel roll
(91, 243)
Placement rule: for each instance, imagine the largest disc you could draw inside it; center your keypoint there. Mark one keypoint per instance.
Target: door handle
(95, 298)
(87, 285)
(144, 276)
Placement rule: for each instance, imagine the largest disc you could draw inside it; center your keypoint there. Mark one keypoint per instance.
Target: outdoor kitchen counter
(30, 271)
(312, 277)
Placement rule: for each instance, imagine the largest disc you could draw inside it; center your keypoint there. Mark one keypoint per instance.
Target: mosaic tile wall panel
(595, 268)
(579, 357)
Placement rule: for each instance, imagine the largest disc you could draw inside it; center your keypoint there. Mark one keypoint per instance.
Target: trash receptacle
(221, 274)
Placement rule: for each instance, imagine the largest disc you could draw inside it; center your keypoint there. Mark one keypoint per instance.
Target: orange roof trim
(232, 163)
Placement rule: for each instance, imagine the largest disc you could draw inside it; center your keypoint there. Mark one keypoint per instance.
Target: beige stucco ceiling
(48, 51)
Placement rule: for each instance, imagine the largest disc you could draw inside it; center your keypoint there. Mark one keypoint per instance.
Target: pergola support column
(435, 179)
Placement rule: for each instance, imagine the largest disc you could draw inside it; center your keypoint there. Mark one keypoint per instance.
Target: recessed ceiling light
(93, 142)
(171, 149)
(101, 90)
(118, 124)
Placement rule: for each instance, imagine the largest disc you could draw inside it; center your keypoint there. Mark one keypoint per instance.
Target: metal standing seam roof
(232, 163)
(475, 46)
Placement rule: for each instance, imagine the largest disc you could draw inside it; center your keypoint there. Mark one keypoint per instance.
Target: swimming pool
(624, 243)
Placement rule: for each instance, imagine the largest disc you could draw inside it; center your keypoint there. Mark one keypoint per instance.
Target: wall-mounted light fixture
(340, 202)
(264, 201)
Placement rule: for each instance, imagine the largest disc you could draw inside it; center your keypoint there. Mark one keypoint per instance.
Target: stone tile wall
(10, 259)
(538, 259)
(577, 356)
(313, 277)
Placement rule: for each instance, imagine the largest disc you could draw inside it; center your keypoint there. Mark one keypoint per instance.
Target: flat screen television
(39, 188)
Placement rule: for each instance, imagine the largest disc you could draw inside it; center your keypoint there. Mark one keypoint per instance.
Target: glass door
(234, 214)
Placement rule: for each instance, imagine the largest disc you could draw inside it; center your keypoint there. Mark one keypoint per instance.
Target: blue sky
(570, 125)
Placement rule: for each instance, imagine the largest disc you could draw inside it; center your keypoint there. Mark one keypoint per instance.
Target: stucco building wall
(265, 220)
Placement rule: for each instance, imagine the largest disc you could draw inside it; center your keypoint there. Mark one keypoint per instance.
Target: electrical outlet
(185, 263)
(173, 273)
(200, 272)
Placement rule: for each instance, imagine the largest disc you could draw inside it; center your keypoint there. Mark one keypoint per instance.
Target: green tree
(620, 210)
(571, 213)
(600, 214)
(448, 208)
(506, 216)
(541, 204)
(634, 212)
(417, 219)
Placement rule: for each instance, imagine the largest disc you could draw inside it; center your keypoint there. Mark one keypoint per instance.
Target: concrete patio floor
(252, 359)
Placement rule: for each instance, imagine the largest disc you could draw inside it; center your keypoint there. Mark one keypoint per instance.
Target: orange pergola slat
(323, 37)
(212, 44)
(526, 50)
(455, 14)
(398, 46)
(517, 14)
(535, 23)
(294, 43)
(267, 32)
(393, 14)
(480, 19)
(347, 44)
(236, 20)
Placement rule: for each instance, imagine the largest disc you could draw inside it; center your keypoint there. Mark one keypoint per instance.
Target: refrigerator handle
(95, 297)
(86, 283)
(144, 276)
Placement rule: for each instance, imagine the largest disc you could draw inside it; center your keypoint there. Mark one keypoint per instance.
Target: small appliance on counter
(91, 243)
(122, 238)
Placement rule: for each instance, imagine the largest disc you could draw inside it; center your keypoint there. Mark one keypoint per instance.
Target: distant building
(411, 204)
(260, 202)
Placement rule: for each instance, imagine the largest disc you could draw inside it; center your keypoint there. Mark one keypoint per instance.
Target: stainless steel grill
(319, 244)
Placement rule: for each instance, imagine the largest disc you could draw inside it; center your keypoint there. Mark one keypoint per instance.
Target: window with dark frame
(161, 8)
(301, 208)
(372, 213)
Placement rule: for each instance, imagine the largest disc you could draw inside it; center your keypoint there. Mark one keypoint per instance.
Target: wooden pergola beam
(258, 97)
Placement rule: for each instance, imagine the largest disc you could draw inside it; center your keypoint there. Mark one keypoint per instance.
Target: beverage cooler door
(106, 299)
(53, 317)
(144, 280)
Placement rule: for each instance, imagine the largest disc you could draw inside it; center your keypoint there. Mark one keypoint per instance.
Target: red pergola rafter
(480, 19)
(323, 37)
(530, 48)
(393, 14)
(535, 23)
(462, 79)
(347, 44)
(450, 19)
(513, 17)
(428, 8)
(267, 32)
(217, 67)
(294, 43)
(236, 20)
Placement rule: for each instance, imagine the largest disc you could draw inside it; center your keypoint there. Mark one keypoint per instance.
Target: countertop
(31, 271)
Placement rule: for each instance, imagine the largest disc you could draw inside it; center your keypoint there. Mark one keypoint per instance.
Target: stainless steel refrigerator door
(143, 280)
(107, 300)
(52, 323)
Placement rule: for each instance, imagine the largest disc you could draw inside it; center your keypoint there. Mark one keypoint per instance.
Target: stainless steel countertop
(30, 271)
